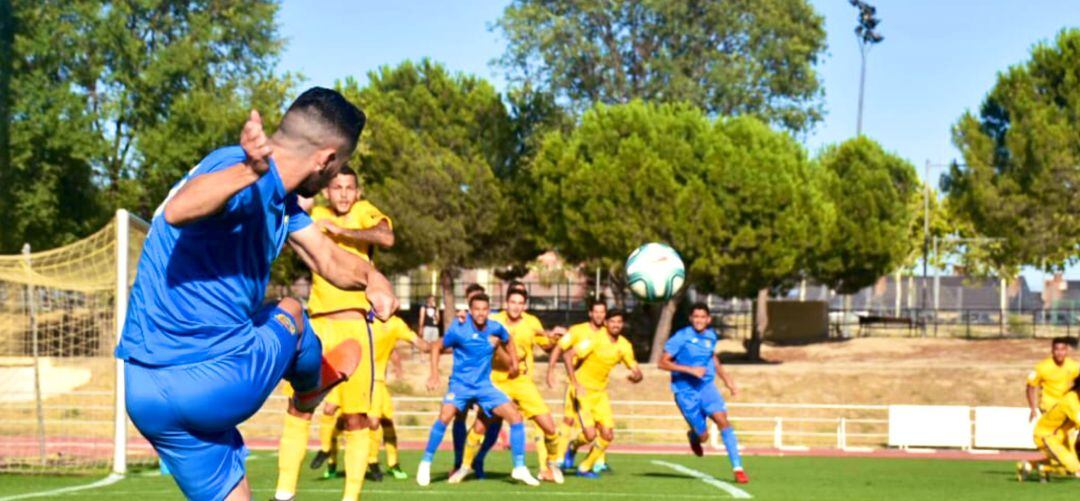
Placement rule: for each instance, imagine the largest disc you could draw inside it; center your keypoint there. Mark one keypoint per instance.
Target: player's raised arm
(206, 194)
(343, 269)
(381, 234)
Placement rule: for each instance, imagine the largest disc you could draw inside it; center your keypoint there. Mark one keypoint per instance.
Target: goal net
(61, 400)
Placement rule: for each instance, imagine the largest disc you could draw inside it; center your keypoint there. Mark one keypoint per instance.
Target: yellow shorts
(591, 409)
(524, 393)
(354, 396)
(382, 407)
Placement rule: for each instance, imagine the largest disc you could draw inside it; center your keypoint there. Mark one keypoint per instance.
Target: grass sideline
(636, 477)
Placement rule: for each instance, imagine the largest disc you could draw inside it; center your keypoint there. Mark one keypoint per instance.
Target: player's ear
(324, 158)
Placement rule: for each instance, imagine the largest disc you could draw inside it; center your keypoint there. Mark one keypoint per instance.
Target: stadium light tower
(867, 38)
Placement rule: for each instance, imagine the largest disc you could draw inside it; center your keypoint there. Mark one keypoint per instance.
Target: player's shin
(517, 443)
(599, 446)
(732, 445)
(375, 439)
(356, 461)
(327, 429)
(434, 439)
(472, 446)
(459, 434)
(291, 451)
(390, 441)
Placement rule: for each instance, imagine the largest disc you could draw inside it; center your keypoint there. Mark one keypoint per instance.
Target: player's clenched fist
(255, 144)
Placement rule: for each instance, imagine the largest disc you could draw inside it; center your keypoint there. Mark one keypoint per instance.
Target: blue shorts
(697, 404)
(189, 413)
(488, 397)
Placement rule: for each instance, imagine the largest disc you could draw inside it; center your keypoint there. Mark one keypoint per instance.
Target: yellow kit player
(386, 337)
(337, 315)
(527, 332)
(1054, 376)
(589, 364)
(1053, 438)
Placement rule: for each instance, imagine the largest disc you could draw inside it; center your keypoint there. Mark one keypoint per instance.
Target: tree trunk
(618, 290)
(663, 328)
(7, 53)
(446, 281)
(761, 325)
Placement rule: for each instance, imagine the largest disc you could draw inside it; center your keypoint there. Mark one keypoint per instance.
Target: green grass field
(635, 477)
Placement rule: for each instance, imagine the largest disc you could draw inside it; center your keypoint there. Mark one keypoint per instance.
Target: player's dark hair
(700, 306)
(473, 287)
(520, 292)
(515, 285)
(615, 313)
(479, 297)
(1065, 340)
(594, 302)
(348, 171)
(333, 111)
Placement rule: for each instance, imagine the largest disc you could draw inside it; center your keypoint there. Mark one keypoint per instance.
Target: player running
(588, 365)
(1052, 436)
(387, 335)
(526, 331)
(337, 315)
(473, 344)
(1054, 376)
(202, 351)
(690, 356)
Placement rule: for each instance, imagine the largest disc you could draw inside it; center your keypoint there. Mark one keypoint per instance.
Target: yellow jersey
(1054, 380)
(527, 332)
(1063, 415)
(386, 336)
(598, 355)
(325, 298)
(578, 333)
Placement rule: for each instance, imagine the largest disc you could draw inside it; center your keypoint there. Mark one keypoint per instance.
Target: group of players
(203, 352)
(1053, 395)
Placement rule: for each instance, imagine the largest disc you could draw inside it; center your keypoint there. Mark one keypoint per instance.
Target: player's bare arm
(636, 376)
(344, 270)
(511, 351)
(380, 234)
(553, 359)
(207, 194)
(725, 377)
(667, 363)
(1033, 401)
(571, 374)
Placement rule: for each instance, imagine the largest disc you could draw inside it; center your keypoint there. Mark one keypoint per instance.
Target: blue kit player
(473, 343)
(690, 356)
(202, 352)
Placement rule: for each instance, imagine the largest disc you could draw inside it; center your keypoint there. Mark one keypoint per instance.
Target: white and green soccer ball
(655, 272)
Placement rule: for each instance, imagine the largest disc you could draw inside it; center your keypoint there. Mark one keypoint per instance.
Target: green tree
(754, 216)
(111, 102)
(729, 58)
(1019, 174)
(876, 195)
(429, 156)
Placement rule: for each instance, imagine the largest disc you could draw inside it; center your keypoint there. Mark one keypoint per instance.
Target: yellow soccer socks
(291, 451)
(356, 461)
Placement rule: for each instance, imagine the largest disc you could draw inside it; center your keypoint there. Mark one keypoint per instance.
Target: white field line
(735, 492)
(109, 480)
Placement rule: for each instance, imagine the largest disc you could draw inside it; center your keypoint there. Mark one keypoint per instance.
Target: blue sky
(939, 58)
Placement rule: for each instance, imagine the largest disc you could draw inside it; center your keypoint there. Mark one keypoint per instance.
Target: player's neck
(338, 213)
(289, 165)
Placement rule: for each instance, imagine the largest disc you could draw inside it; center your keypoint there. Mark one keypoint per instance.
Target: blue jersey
(198, 286)
(473, 350)
(693, 349)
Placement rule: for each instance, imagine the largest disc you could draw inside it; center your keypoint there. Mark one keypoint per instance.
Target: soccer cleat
(290, 498)
(568, 460)
(695, 443)
(459, 475)
(522, 474)
(423, 474)
(332, 472)
(592, 475)
(602, 468)
(552, 473)
(396, 472)
(1023, 470)
(337, 365)
(740, 477)
(374, 473)
(1044, 473)
(319, 459)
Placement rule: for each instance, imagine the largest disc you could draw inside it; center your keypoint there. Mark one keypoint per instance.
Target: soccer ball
(655, 272)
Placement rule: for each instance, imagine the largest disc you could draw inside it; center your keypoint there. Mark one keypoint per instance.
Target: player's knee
(607, 434)
(293, 411)
(386, 423)
(355, 421)
(295, 310)
(329, 409)
(721, 420)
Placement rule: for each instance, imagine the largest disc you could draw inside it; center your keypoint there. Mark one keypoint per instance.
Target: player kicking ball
(474, 344)
(202, 351)
(690, 356)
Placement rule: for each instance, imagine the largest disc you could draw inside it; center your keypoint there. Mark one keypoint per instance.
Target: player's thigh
(600, 407)
(382, 405)
(205, 465)
(689, 403)
(527, 396)
(496, 403)
(356, 393)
